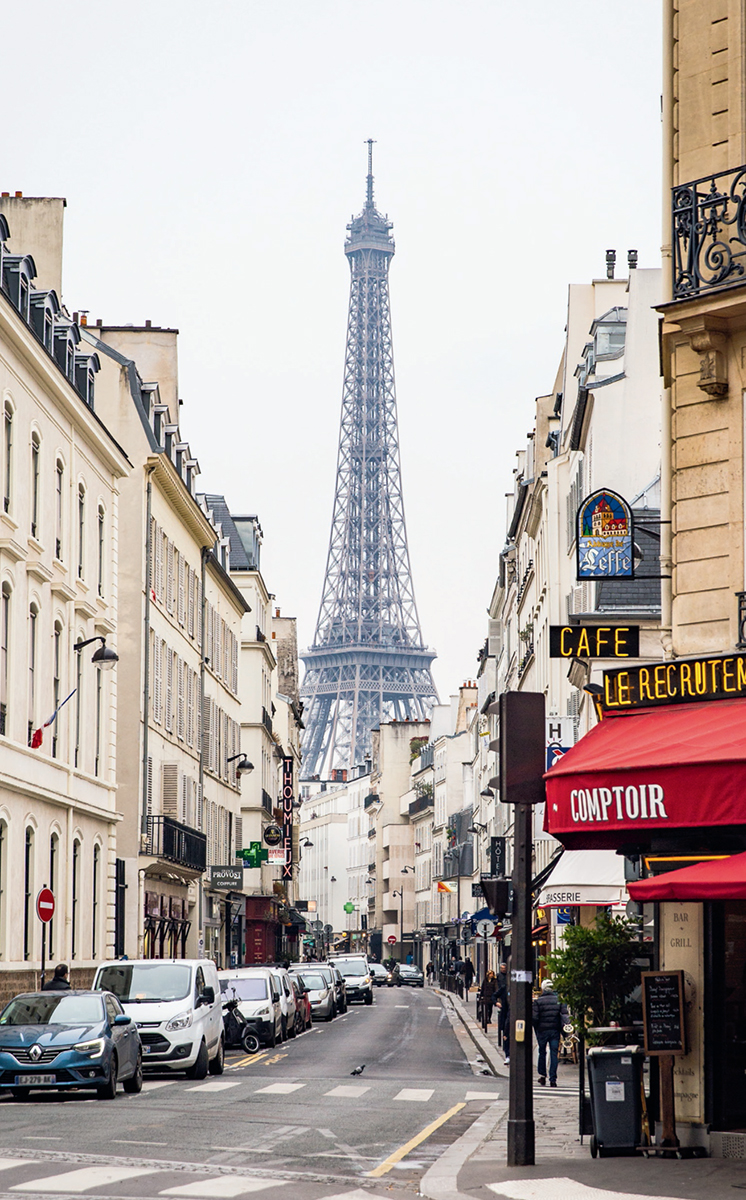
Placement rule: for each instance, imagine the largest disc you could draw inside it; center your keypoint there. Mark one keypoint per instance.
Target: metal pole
(521, 1106)
(401, 922)
(43, 952)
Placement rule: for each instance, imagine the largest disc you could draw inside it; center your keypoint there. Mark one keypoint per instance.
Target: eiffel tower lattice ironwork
(367, 663)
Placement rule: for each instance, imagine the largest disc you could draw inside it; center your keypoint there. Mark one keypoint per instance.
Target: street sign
(317, 926)
(391, 939)
(476, 891)
(45, 904)
(328, 929)
(485, 928)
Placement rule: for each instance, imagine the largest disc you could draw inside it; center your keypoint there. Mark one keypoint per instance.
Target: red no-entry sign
(45, 904)
(391, 940)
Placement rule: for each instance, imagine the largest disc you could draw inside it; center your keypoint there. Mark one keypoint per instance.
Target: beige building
(61, 475)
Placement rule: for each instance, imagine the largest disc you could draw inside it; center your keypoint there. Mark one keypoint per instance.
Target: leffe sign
(287, 816)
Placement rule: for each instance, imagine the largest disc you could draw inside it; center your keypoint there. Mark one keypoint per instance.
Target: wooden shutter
(157, 679)
(168, 722)
(170, 790)
(238, 826)
(189, 705)
(180, 718)
(190, 601)
(182, 590)
(149, 797)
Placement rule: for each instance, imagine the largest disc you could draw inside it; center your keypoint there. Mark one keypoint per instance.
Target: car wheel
(272, 1039)
(198, 1069)
(20, 1093)
(294, 1027)
(284, 1030)
(134, 1083)
(368, 997)
(217, 1064)
(330, 1015)
(108, 1090)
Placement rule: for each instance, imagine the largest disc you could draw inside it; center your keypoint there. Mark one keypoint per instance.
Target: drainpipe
(203, 576)
(144, 831)
(667, 280)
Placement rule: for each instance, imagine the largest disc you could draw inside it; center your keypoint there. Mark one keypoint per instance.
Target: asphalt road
(289, 1114)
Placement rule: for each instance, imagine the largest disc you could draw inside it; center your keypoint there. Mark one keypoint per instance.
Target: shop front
(262, 929)
(661, 781)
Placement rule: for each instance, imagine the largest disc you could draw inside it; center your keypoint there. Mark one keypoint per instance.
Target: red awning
(674, 767)
(719, 879)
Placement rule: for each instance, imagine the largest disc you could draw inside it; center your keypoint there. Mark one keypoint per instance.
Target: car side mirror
(122, 1019)
(207, 996)
(275, 997)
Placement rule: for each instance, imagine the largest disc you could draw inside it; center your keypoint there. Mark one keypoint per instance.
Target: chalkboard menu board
(663, 1012)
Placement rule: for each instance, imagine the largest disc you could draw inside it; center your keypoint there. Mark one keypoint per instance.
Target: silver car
(320, 992)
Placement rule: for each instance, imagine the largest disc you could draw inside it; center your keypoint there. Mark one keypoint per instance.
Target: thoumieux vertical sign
(287, 816)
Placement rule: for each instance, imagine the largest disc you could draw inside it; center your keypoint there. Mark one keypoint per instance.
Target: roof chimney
(610, 261)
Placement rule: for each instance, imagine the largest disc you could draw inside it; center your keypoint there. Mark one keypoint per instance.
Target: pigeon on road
(358, 1070)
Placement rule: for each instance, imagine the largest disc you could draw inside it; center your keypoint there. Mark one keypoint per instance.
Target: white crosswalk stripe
(216, 1085)
(6, 1164)
(560, 1189)
(279, 1089)
(348, 1089)
(421, 1094)
(224, 1187)
(151, 1085)
(481, 1096)
(81, 1180)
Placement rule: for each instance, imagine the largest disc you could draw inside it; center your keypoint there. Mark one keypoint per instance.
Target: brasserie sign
(678, 682)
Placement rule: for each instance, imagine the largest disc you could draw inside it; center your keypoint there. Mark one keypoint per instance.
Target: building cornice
(170, 483)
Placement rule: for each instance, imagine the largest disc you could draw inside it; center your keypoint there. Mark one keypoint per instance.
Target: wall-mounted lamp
(306, 844)
(243, 766)
(406, 870)
(104, 658)
(487, 793)
(475, 827)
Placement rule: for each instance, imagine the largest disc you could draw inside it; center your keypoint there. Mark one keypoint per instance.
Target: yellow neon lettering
(672, 688)
(566, 652)
(660, 682)
(583, 643)
(728, 675)
(686, 679)
(645, 693)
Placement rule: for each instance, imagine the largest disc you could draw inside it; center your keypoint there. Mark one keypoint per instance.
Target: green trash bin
(615, 1078)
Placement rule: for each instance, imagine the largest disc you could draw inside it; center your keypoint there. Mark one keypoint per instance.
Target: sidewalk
(564, 1169)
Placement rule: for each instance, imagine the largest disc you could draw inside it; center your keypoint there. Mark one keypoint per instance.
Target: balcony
(709, 236)
(422, 803)
(267, 802)
(267, 721)
(371, 799)
(176, 843)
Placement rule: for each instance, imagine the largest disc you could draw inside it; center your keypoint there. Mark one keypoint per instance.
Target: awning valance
(717, 879)
(585, 877)
(680, 766)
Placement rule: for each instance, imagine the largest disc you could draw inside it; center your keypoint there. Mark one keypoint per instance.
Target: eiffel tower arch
(368, 662)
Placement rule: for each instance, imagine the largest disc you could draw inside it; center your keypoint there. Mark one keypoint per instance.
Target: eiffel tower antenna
(367, 663)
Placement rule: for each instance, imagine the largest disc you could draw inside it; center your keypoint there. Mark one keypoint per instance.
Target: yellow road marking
(276, 1059)
(404, 1150)
(251, 1058)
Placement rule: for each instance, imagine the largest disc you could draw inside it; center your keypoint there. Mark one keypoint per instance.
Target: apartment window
(100, 542)
(57, 683)
(33, 619)
(81, 529)
(95, 899)
(35, 463)
(48, 330)
(78, 703)
(54, 849)
(59, 481)
(75, 898)
(4, 650)
(28, 895)
(99, 719)
(8, 456)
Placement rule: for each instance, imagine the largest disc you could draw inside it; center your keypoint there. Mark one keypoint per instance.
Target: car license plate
(32, 1080)
(146, 1049)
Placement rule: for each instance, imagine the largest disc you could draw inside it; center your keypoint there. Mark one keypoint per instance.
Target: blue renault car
(70, 1039)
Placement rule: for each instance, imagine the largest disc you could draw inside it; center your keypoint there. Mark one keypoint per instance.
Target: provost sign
(604, 537)
(287, 816)
(682, 681)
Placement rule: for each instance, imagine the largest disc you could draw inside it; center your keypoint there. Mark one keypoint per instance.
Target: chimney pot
(19, 195)
(75, 317)
(98, 322)
(4, 193)
(148, 324)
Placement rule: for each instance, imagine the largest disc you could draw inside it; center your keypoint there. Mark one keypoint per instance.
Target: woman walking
(487, 995)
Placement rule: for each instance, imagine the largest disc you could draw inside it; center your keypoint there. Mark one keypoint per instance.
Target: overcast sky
(211, 155)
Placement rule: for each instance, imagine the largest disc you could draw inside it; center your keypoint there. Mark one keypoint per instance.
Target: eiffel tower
(367, 663)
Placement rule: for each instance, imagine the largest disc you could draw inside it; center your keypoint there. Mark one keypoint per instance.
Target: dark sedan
(70, 1039)
(411, 976)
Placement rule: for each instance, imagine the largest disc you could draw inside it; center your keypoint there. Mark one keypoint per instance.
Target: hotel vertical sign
(287, 816)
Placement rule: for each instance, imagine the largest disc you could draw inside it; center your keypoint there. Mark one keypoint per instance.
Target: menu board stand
(665, 1038)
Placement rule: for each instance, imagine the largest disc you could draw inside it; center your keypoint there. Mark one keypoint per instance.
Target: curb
(483, 1044)
(440, 1182)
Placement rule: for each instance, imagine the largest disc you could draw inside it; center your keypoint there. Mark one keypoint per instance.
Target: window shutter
(170, 576)
(189, 705)
(164, 555)
(157, 679)
(207, 733)
(149, 797)
(153, 555)
(238, 824)
(169, 689)
(190, 601)
(235, 665)
(182, 590)
(180, 668)
(170, 790)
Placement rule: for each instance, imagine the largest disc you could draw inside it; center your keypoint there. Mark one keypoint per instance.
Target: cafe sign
(594, 641)
(678, 682)
(604, 537)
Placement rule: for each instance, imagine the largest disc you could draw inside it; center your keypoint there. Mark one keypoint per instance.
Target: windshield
(142, 982)
(244, 989)
(353, 968)
(53, 1009)
(314, 983)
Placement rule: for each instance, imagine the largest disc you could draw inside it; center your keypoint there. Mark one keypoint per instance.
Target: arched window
(74, 933)
(35, 464)
(56, 683)
(7, 455)
(97, 759)
(33, 621)
(4, 656)
(100, 531)
(78, 702)
(28, 895)
(59, 507)
(54, 853)
(95, 898)
(81, 529)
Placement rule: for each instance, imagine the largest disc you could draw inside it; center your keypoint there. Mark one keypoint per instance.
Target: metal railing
(709, 233)
(267, 721)
(451, 983)
(176, 843)
(267, 803)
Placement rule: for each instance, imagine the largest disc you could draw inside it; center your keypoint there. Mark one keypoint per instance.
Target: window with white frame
(7, 455)
(35, 476)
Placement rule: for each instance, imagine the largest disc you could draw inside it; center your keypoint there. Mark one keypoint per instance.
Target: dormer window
(86, 366)
(66, 338)
(18, 272)
(43, 308)
(160, 417)
(171, 435)
(609, 333)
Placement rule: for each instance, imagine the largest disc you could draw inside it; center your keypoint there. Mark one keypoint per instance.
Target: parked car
(302, 1003)
(287, 1001)
(177, 1007)
(340, 987)
(70, 1039)
(411, 976)
(378, 974)
(358, 981)
(320, 991)
(259, 999)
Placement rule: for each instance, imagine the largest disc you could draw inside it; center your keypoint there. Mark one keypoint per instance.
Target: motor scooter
(240, 1030)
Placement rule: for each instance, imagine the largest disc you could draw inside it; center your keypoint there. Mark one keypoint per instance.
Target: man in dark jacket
(549, 1015)
(58, 982)
(468, 974)
(502, 999)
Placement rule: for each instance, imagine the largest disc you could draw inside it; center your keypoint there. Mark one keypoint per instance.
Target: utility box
(616, 1083)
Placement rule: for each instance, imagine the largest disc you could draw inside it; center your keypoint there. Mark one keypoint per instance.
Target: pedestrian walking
(502, 1000)
(549, 1014)
(430, 971)
(468, 973)
(486, 995)
(59, 981)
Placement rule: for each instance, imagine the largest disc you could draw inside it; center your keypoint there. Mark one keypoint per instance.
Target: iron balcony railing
(267, 802)
(709, 233)
(267, 721)
(421, 803)
(177, 843)
(370, 799)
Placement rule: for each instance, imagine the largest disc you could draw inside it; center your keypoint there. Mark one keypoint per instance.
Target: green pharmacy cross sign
(349, 907)
(253, 855)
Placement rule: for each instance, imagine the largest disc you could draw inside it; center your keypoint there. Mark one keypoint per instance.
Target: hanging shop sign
(594, 641)
(287, 816)
(272, 835)
(226, 878)
(681, 681)
(604, 537)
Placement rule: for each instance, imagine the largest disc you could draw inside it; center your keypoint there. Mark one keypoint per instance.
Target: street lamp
(243, 767)
(487, 793)
(104, 658)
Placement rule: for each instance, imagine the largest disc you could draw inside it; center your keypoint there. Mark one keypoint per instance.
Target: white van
(258, 995)
(175, 1003)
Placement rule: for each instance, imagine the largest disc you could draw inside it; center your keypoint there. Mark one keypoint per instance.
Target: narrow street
(292, 1113)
